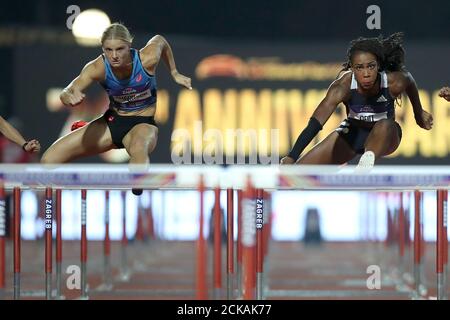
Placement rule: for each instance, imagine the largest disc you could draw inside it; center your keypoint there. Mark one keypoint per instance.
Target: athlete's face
(117, 52)
(365, 68)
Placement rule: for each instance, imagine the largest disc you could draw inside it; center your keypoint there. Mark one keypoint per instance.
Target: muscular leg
(140, 141)
(94, 138)
(331, 150)
(384, 138)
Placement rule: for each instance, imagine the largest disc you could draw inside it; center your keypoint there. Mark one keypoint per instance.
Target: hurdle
(48, 241)
(107, 276)
(17, 258)
(217, 244)
(259, 243)
(247, 179)
(418, 243)
(230, 243)
(440, 246)
(83, 248)
(201, 272)
(59, 247)
(2, 236)
(239, 244)
(124, 270)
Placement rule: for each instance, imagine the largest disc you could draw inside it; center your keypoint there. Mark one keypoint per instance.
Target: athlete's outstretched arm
(335, 95)
(73, 93)
(12, 134)
(423, 118)
(158, 48)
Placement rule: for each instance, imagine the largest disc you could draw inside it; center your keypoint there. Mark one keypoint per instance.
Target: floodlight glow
(89, 26)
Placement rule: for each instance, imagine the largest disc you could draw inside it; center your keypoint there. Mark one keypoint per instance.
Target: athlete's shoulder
(152, 46)
(95, 68)
(399, 76)
(151, 52)
(398, 80)
(97, 63)
(344, 78)
(343, 82)
(339, 89)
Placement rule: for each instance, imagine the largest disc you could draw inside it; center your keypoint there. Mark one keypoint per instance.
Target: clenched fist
(71, 97)
(32, 146)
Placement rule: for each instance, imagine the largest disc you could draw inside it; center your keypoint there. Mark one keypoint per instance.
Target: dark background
(293, 30)
(295, 20)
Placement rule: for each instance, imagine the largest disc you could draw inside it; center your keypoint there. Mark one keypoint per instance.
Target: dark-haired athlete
(373, 77)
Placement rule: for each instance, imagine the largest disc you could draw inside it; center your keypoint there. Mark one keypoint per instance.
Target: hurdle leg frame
(17, 242)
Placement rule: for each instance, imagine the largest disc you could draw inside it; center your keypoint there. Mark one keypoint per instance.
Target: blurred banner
(267, 90)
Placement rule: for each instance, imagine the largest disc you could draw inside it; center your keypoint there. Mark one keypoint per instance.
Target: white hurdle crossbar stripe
(111, 176)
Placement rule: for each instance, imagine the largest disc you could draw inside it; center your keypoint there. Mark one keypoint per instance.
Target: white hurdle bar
(306, 177)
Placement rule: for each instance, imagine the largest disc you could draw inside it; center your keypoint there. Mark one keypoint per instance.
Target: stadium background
(270, 60)
(254, 64)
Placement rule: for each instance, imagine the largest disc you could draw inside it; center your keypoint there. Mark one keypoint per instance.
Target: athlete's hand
(287, 160)
(71, 97)
(424, 120)
(33, 146)
(445, 93)
(182, 80)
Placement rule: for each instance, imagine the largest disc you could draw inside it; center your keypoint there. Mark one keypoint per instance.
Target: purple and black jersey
(370, 109)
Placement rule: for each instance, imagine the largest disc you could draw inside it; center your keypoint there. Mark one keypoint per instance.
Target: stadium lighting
(89, 26)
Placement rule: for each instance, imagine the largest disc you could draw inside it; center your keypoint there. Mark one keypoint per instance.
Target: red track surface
(166, 270)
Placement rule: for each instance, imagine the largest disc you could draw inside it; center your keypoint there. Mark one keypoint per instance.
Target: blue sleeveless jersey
(137, 92)
(371, 109)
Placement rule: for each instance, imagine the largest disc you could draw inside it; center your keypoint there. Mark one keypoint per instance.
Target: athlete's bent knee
(47, 158)
(139, 146)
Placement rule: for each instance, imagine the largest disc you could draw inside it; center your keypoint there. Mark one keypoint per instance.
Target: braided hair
(389, 51)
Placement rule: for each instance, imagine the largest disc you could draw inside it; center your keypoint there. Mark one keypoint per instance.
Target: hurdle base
(259, 286)
(124, 276)
(217, 294)
(105, 287)
(408, 278)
